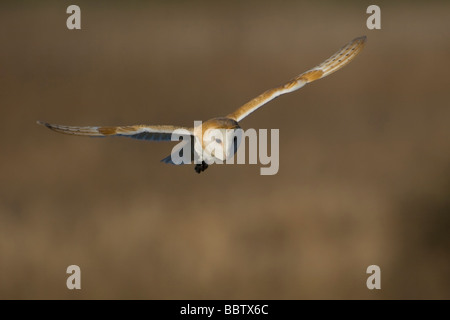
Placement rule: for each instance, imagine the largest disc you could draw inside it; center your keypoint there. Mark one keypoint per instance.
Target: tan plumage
(164, 133)
(141, 132)
(341, 58)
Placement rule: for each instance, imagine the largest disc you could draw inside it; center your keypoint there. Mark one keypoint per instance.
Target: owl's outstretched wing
(341, 58)
(140, 132)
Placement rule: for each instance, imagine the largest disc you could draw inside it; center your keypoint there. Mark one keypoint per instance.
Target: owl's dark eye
(219, 141)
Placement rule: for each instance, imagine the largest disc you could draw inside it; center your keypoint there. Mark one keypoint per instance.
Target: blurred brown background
(364, 154)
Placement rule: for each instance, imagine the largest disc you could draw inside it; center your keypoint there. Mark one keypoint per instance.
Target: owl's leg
(201, 167)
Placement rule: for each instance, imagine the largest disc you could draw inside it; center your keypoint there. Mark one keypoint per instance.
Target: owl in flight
(225, 147)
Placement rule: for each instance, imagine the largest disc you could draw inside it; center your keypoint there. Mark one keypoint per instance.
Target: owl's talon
(201, 167)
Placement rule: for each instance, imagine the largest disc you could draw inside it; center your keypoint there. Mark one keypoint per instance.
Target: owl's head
(220, 138)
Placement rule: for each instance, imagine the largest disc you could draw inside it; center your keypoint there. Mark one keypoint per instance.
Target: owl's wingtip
(42, 123)
(362, 38)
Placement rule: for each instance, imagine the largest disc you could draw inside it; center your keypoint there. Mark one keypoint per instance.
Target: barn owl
(204, 136)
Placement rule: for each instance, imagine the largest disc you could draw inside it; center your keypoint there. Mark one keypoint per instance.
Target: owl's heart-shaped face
(221, 144)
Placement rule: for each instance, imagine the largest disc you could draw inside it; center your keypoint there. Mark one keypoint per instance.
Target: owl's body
(214, 139)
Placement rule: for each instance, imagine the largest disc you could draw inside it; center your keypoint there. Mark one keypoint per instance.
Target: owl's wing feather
(341, 58)
(140, 132)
